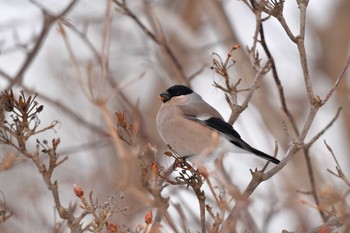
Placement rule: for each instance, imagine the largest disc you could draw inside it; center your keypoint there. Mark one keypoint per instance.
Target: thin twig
(160, 42)
(311, 175)
(286, 28)
(83, 37)
(277, 81)
(340, 77)
(230, 223)
(319, 134)
(73, 115)
(257, 79)
(340, 172)
(331, 225)
(192, 76)
(49, 20)
(300, 41)
(74, 62)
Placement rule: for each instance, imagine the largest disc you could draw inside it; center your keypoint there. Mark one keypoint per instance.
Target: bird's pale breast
(185, 136)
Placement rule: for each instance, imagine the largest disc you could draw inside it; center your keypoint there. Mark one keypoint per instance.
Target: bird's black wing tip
(265, 156)
(274, 160)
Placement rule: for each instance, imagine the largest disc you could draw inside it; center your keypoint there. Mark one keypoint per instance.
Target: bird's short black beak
(164, 96)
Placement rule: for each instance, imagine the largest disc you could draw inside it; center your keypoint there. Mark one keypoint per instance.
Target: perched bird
(192, 127)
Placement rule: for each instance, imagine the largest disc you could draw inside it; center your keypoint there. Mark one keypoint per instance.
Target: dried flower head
(121, 119)
(7, 100)
(221, 67)
(125, 129)
(23, 107)
(273, 7)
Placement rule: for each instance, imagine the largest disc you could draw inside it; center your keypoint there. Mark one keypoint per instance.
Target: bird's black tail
(264, 156)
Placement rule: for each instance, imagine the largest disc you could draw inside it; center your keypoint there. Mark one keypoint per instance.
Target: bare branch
(277, 81)
(340, 77)
(49, 20)
(319, 134)
(161, 42)
(340, 172)
(195, 74)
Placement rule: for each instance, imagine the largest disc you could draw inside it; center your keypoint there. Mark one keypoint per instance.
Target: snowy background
(139, 69)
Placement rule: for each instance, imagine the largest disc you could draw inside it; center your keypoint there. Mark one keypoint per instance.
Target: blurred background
(139, 68)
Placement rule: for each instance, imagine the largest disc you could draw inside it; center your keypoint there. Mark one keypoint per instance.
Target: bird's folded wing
(227, 131)
(224, 128)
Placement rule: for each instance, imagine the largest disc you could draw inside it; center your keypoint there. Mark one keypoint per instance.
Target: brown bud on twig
(78, 190)
(148, 217)
(154, 167)
(112, 228)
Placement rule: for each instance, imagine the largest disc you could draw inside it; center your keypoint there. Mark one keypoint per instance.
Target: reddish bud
(78, 190)
(148, 217)
(325, 229)
(154, 167)
(236, 46)
(112, 228)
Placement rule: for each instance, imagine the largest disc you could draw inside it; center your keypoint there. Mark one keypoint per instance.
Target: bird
(192, 127)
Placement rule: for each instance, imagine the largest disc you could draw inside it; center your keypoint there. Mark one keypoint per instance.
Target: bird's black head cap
(176, 90)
